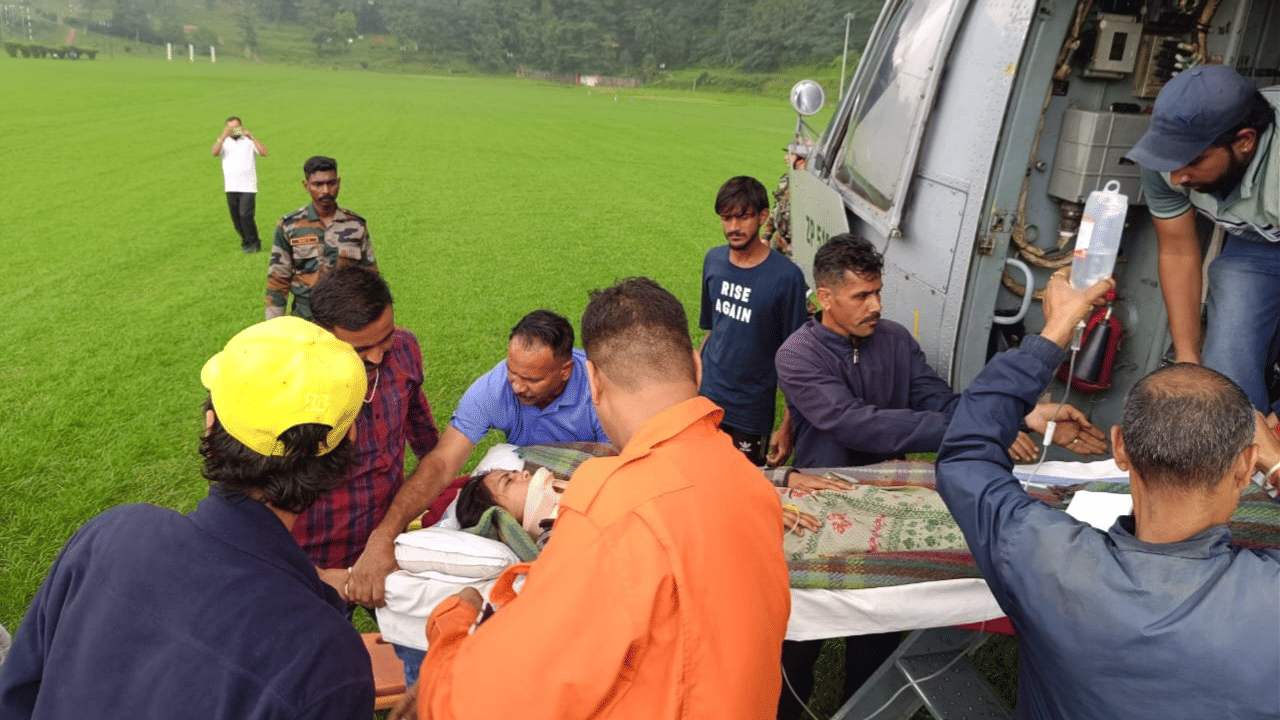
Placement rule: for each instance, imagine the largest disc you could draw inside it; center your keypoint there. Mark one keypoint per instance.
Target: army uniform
(305, 249)
(777, 229)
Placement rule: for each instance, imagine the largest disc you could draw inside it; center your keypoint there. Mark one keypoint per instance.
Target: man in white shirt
(237, 146)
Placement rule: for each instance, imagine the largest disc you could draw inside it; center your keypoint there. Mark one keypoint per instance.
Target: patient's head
(1184, 427)
(505, 488)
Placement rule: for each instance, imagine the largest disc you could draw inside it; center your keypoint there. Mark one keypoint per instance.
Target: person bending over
(537, 394)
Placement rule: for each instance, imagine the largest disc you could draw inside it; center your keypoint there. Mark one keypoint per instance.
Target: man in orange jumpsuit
(664, 593)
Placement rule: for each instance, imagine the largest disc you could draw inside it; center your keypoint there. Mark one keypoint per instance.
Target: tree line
(615, 36)
(610, 37)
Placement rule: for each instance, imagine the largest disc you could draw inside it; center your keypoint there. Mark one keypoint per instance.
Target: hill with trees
(602, 37)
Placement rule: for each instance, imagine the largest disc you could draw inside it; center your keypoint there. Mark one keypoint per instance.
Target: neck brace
(541, 502)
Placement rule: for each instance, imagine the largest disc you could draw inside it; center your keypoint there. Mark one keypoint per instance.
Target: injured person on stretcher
(856, 518)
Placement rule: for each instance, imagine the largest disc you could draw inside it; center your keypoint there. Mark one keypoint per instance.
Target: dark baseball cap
(1192, 110)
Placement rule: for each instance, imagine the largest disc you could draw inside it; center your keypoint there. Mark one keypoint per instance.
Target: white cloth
(817, 614)
(1065, 472)
(410, 599)
(239, 171)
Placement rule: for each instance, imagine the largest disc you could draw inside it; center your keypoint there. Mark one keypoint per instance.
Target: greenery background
(654, 39)
(486, 197)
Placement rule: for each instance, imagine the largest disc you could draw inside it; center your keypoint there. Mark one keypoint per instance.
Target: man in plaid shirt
(355, 305)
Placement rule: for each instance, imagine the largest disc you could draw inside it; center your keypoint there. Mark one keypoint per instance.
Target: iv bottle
(1099, 235)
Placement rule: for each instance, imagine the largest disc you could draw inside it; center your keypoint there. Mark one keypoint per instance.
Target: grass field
(485, 198)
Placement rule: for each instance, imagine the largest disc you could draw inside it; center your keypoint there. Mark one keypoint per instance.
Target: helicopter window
(893, 90)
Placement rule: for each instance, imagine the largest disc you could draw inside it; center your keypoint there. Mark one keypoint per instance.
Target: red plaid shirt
(334, 531)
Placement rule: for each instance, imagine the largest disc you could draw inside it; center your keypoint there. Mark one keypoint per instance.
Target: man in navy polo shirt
(753, 298)
(1161, 615)
(217, 613)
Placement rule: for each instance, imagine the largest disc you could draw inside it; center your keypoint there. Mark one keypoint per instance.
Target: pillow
(499, 457)
(449, 518)
(452, 552)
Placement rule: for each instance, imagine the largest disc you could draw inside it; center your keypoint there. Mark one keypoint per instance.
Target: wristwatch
(778, 476)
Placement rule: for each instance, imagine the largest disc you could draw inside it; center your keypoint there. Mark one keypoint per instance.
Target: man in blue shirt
(753, 298)
(218, 613)
(538, 394)
(1158, 617)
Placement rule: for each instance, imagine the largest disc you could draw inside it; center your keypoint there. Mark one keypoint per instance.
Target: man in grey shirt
(1211, 150)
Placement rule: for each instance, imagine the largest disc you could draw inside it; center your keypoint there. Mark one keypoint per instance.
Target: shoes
(250, 248)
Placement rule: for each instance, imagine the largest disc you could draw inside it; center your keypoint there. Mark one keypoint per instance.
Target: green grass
(486, 198)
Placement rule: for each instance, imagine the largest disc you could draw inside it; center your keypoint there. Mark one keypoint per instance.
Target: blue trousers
(1243, 336)
(412, 659)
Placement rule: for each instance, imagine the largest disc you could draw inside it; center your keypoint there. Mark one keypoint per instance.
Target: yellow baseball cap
(280, 373)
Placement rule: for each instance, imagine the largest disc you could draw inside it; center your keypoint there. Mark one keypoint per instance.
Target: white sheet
(815, 613)
(818, 614)
(1062, 472)
(1099, 509)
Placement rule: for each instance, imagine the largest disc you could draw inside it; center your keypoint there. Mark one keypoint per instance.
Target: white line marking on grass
(704, 101)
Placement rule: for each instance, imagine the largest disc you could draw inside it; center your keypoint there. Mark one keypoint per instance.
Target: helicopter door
(892, 93)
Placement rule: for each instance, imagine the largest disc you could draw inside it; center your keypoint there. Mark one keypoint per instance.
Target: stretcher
(947, 619)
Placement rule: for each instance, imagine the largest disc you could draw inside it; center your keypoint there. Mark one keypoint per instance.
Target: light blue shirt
(489, 404)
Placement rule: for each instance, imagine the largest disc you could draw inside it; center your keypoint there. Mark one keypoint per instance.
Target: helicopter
(966, 145)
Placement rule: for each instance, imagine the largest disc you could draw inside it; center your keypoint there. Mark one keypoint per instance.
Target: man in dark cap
(1211, 147)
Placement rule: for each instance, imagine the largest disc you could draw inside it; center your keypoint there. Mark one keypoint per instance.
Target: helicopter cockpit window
(892, 93)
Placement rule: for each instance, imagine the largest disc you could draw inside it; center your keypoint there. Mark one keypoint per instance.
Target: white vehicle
(968, 141)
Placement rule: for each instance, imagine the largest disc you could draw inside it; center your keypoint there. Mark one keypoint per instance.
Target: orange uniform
(662, 594)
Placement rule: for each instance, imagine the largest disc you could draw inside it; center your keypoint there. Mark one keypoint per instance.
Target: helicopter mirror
(807, 97)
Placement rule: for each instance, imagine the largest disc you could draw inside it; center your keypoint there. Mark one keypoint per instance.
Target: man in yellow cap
(216, 614)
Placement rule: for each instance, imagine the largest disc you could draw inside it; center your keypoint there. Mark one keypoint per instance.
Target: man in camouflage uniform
(314, 239)
(777, 230)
